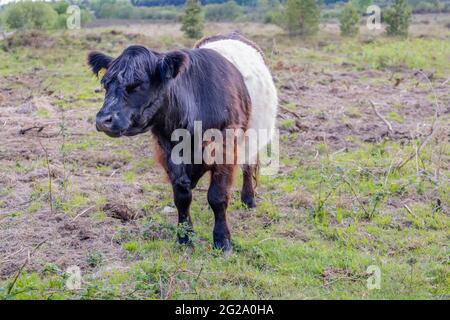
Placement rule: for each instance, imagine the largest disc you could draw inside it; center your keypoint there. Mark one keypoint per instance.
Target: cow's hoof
(224, 245)
(184, 240)
(249, 202)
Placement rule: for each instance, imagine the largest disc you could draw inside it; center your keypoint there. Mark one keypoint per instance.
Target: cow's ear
(172, 64)
(98, 61)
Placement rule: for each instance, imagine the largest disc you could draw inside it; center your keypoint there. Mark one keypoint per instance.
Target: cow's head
(136, 85)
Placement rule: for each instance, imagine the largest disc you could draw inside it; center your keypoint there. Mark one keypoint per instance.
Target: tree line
(302, 17)
(297, 17)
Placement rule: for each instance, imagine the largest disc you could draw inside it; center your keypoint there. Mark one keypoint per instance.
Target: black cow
(161, 92)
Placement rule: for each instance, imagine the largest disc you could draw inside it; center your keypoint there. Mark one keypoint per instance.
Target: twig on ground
(274, 48)
(170, 286)
(39, 129)
(388, 173)
(438, 170)
(49, 176)
(427, 138)
(199, 273)
(417, 161)
(11, 286)
(345, 149)
(295, 114)
(356, 196)
(417, 151)
(12, 254)
(408, 209)
(82, 212)
(388, 124)
(63, 131)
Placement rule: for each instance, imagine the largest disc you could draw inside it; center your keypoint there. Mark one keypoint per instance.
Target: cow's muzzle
(111, 124)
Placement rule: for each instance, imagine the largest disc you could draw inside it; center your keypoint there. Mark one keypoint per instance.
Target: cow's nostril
(107, 119)
(104, 122)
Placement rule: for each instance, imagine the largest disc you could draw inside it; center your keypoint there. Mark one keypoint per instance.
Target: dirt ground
(320, 104)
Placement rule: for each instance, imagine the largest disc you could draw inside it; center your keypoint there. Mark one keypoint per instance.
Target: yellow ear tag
(101, 73)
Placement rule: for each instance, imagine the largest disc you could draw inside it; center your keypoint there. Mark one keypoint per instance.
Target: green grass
(287, 124)
(428, 54)
(312, 248)
(394, 116)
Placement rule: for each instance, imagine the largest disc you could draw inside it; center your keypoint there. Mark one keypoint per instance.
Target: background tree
(193, 19)
(349, 20)
(302, 17)
(398, 18)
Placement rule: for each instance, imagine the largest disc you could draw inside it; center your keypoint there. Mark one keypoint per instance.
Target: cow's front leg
(182, 194)
(180, 178)
(218, 197)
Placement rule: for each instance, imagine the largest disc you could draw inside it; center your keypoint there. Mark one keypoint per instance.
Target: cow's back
(249, 61)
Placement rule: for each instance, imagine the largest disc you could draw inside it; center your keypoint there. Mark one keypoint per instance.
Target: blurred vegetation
(361, 5)
(298, 17)
(431, 6)
(349, 20)
(302, 17)
(123, 9)
(193, 19)
(29, 15)
(398, 18)
(228, 11)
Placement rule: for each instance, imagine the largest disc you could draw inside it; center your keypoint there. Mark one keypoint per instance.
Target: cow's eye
(132, 87)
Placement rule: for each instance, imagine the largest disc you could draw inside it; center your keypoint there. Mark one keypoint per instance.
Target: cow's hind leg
(248, 189)
(218, 198)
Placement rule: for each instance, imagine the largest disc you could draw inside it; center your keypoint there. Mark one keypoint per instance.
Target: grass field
(351, 195)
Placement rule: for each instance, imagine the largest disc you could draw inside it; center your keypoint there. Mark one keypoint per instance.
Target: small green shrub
(131, 246)
(349, 20)
(398, 18)
(193, 19)
(302, 17)
(60, 7)
(94, 259)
